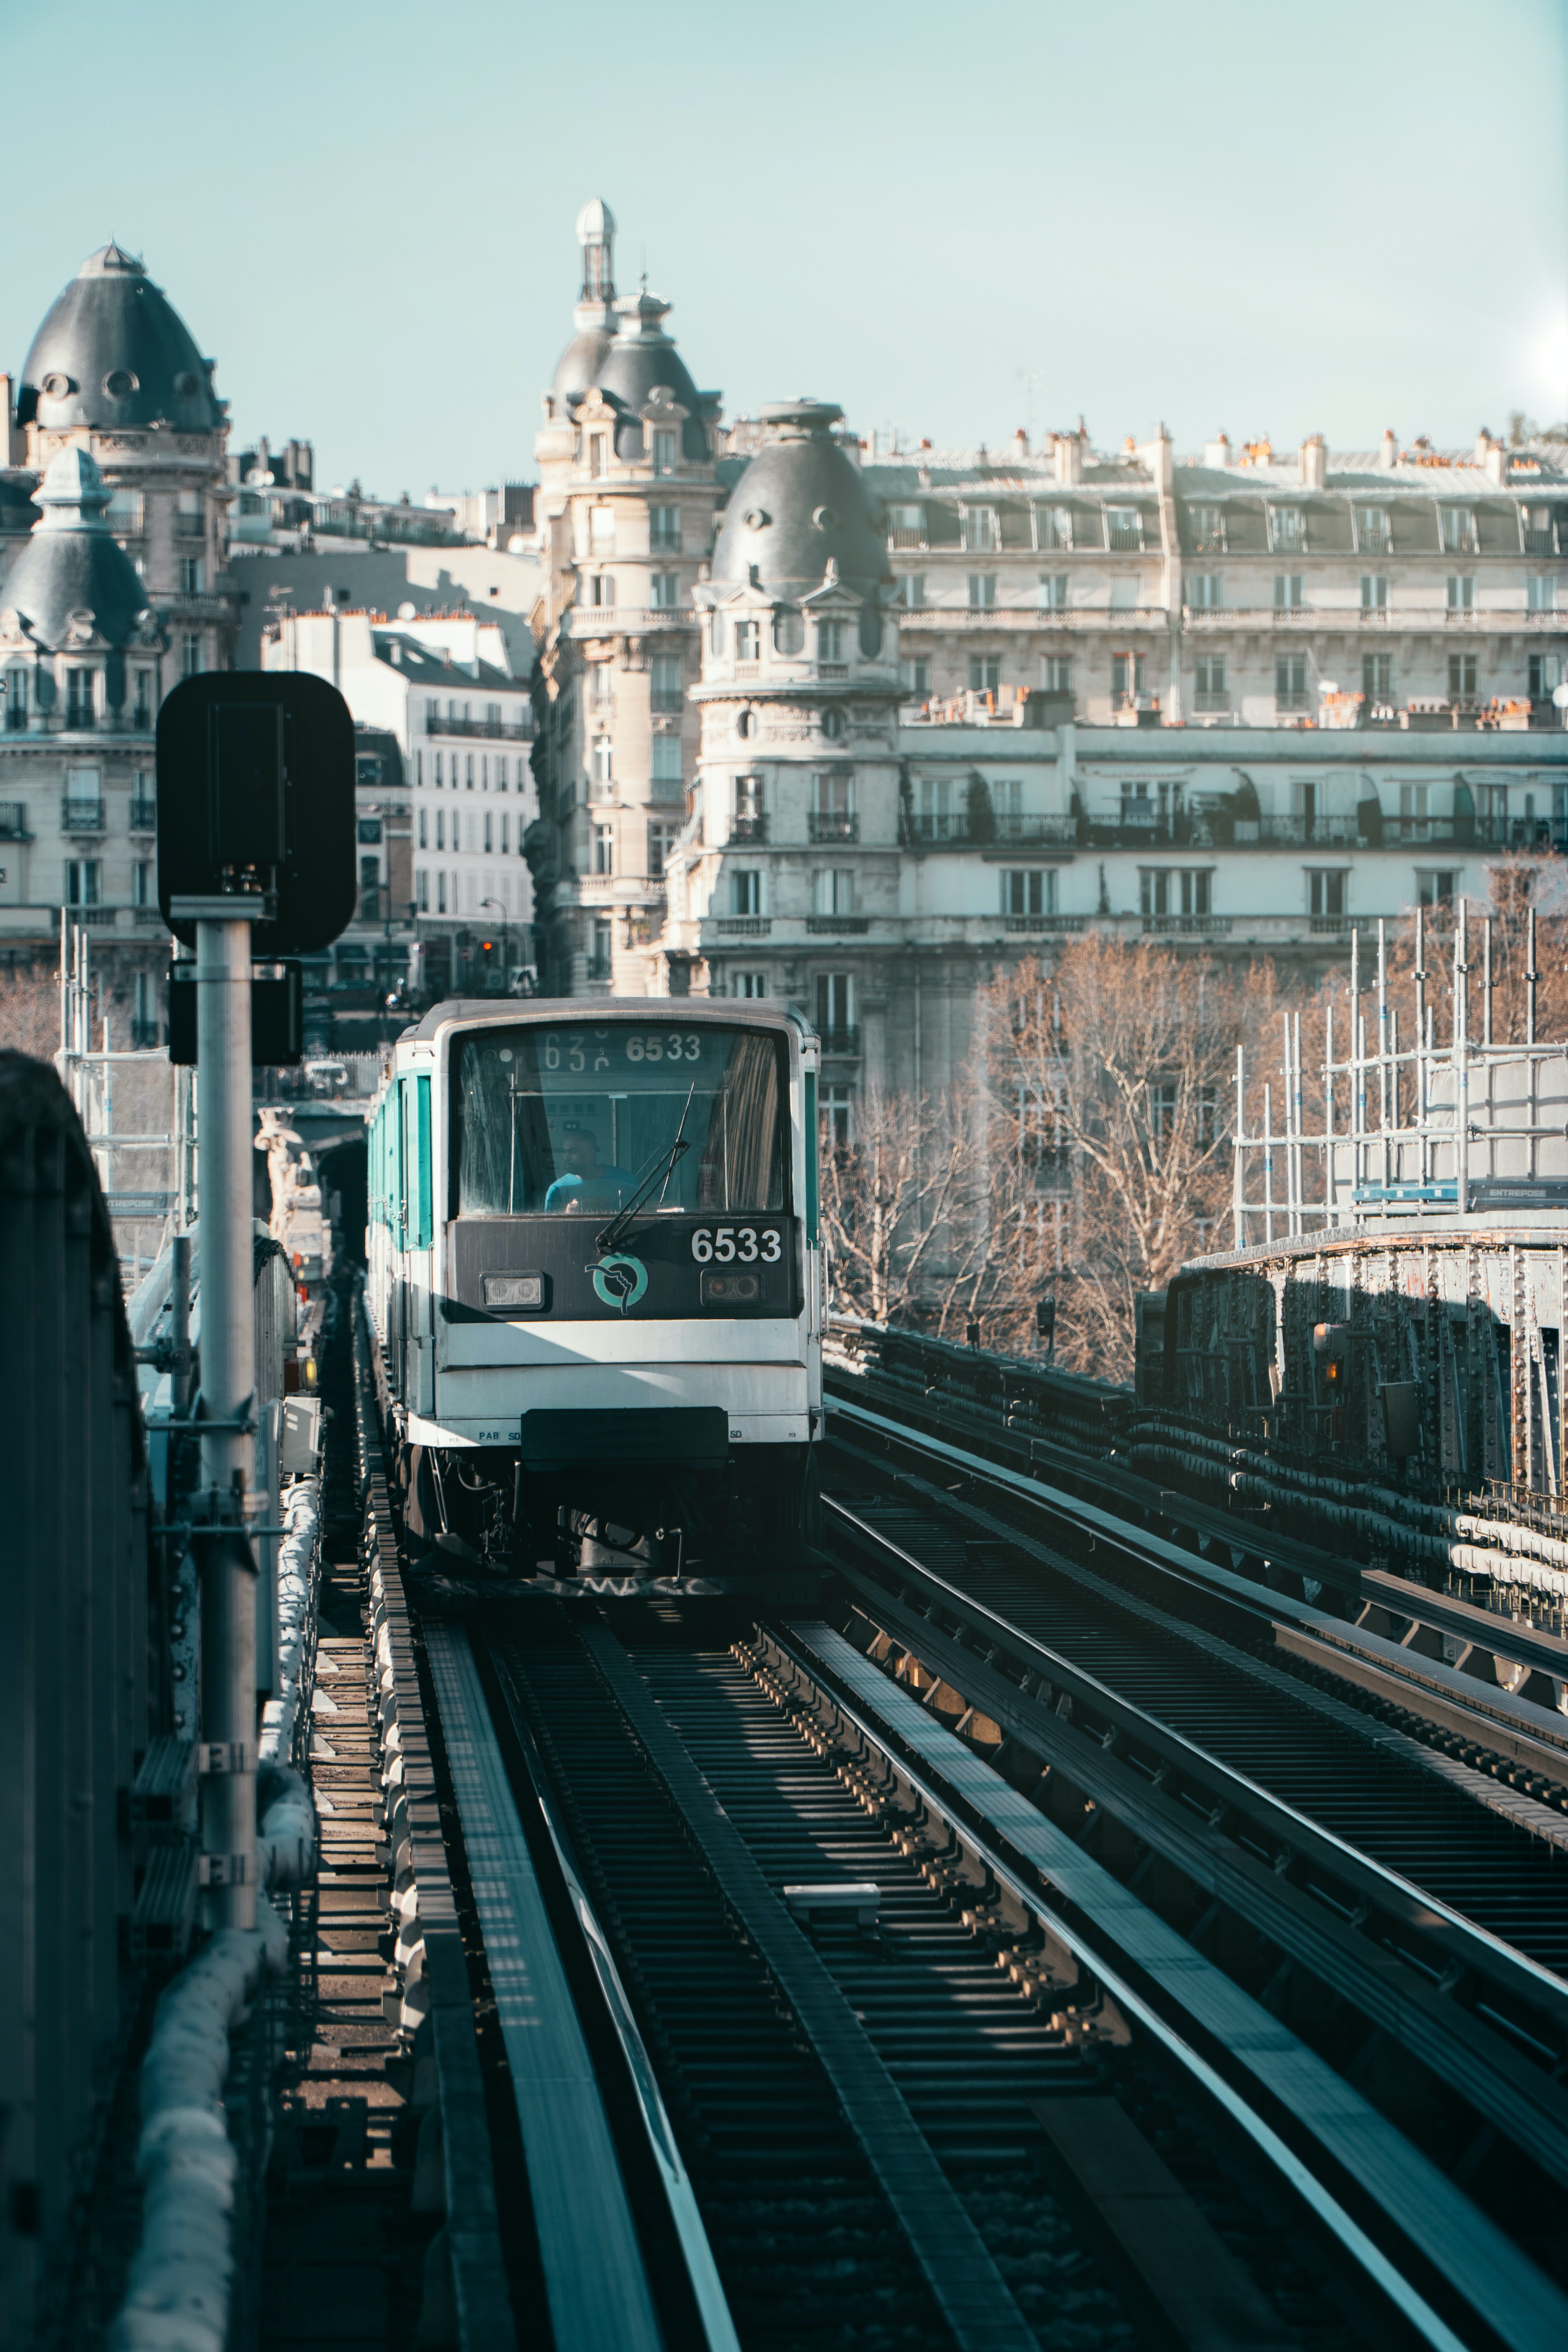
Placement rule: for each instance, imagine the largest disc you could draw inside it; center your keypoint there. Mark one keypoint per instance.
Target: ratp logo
(620, 1281)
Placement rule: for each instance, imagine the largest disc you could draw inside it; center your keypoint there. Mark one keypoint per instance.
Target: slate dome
(800, 502)
(73, 582)
(114, 352)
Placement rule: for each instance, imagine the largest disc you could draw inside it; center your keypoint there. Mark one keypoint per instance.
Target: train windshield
(578, 1118)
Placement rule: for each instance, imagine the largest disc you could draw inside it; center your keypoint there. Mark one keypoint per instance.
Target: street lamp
(505, 939)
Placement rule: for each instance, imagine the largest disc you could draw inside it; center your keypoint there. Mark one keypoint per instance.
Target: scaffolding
(1407, 1128)
(144, 1077)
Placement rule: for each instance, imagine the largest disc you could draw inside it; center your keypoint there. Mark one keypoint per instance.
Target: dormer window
(602, 529)
(907, 526)
(1207, 527)
(830, 641)
(1287, 531)
(1373, 530)
(78, 697)
(748, 641)
(1053, 527)
(1124, 530)
(979, 528)
(598, 454)
(1458, 527)
(664, 450)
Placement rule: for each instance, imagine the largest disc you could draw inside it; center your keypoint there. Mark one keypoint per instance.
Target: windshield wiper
(616, 1232)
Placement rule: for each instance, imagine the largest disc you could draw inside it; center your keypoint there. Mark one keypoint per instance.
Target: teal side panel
(811, 1159)
(424, 1188)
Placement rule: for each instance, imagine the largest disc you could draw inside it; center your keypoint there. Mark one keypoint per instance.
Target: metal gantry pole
(227, 1561)
(1462, 1063)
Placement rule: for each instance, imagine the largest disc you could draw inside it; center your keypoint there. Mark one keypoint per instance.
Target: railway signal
(256, 805)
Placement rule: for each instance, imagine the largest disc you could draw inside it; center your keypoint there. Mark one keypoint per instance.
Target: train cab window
(578, 1118)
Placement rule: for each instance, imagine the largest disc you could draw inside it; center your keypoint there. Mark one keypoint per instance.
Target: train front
(610, 1350)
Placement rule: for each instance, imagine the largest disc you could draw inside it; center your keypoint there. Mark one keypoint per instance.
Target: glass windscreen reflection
(577, 1117)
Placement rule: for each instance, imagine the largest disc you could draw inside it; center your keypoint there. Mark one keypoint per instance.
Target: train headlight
(730, 1287)
(521, 1292)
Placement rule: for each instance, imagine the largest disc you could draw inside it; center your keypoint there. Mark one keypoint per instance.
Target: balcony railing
(1048, 922)
(1296, 830)
(1329, 926)
(666, 702)
(148, 915)
(997, 829)
(827, 926)
(1205, 926)
(832, 824)
(748, 824)
(1211, 702)
(143, 816)
(840, 1041)
(92, 918)
(144, 1035)
(745, 927)
(482, 729)
(14, 820)
(190, 526)
(82, 816)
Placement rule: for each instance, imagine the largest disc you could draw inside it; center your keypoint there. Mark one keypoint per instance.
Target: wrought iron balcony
(481, 730)
(832, 825)
(748, 824)
(143, 816)
(82, 816)
(837, 926)
(840, 1041)
(14, 820)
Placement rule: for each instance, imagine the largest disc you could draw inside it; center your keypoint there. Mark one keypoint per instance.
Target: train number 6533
(743, 1244)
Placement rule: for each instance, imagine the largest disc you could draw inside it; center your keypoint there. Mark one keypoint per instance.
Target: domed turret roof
(595, 222)
(799, 503)
(73, 582)
(638, 358)
(114, 352)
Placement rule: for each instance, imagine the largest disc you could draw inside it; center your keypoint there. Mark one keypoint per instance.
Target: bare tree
(897, 1201)
(1111, 1076)
(30, 1011)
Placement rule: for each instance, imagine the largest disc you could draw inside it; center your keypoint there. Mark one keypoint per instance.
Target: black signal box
(256, 796)
(277, 1015)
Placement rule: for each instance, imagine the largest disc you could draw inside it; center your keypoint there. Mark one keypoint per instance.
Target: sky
(1268, 219)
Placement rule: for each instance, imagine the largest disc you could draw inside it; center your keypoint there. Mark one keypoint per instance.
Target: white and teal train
(595, 1280)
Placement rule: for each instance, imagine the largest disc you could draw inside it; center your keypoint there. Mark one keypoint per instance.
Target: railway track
(1334, 1864)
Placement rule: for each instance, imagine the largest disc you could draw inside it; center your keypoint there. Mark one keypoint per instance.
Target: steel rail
(1468, 2274)
(951, 2255)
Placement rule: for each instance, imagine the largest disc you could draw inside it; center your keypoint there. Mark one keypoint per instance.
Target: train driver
(583, 1176)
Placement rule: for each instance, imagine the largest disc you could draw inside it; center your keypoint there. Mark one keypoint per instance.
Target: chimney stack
(1067, 450)
(1216, 453)
(1020, 443)
(1314, 463)
(1388, 449)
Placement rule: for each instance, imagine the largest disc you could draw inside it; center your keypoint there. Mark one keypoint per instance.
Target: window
(441, 772)
(370, 888)
(143, 883)
(1377, 677)
(667, 764)
(1326, 891)
(82, 881)
(833, 808)
(661, 840)
(748, 984)
(836, 1117)
(906, 526)
(1290, 681)
(1056, 673)
(424, 828)
(1205, 591)
(190, 576)
(441, 830)
(601, 757)
(1288, 592)
(1540, 594)
(1209, 683)
(84, 802)
(982, 591)
(1287, 531)
(836, 1010)
(664, 450)
(489, 843)
(663, 530)
(1207, 527)
(602, 589)
(189, 520)
(598, 448)
(440, 892)
(1414, 816)
(1461, 592)
(1373, 530)
(1053, 591)
(601, 686)
(1461, 677)
(604, 849)
(833, 724)
(748, 641)
(1374, 592)
(500, 774)
(1031, 891)
(468, 771)
(141, 712)
(914, 677)
(602, 531)
(1124, 530)
(422, 890)
(830, 641)
(1053, 528)
(1435, 887)
(977, 530)
(833, 891)
(984, 674)
(1535, 535)
(599, 958)
(664, 590)
(190, 654)
(123, 514)
(1545, 674)
(78, 697)
(746, 890)
(915, 592)
(1457, 530)
(1175, 890)
(1126, 675)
